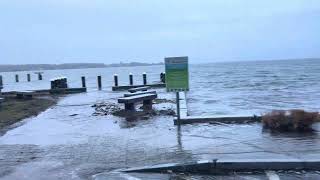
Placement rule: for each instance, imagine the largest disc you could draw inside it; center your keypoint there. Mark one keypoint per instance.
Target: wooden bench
(133, 90)
(129, 102)
(139, 93)
(24, 94)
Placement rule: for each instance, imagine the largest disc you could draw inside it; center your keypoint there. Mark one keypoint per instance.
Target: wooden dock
(67, 90)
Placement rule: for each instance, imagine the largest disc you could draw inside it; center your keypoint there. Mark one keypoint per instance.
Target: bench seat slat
(144, 88)
(138, 98)
(139, 93)
(24, 92)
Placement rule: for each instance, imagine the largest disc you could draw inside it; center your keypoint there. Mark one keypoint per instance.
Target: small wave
(211, 101)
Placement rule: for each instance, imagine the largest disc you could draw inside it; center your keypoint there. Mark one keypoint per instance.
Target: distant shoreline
(41, 67)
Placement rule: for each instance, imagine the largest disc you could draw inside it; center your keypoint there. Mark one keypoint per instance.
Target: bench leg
(19, 96)
(28, 96)
(129, 107)
(147, 104)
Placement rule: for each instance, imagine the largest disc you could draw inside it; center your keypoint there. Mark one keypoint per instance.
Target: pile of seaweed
(110, 108)
(291, 120)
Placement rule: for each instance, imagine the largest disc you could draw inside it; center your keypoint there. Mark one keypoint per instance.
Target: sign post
(177, 77)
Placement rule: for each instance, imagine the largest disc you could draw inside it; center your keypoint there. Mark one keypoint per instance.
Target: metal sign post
(178, 107)
(177, 78)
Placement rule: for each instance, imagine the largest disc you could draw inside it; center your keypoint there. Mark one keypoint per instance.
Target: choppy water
(238, 88)
(57, 145)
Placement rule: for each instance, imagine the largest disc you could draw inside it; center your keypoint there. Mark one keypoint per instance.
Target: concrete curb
(186, 119)
(220, 166)
(208, 119)
(196, 167)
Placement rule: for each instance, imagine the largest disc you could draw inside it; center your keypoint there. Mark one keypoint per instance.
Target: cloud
(205, 29)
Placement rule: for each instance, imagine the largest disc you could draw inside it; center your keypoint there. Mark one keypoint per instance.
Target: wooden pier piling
(17, 78)
(131, 79)
(144, 75)
(1, 83)
(99, 83)
(83, 81)
(163, 77)
(39, 77)
(28, 77)
(115, 80)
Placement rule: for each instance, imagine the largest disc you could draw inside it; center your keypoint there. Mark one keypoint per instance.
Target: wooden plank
(67, 90)
(138, 98)
(123, 88)
(139, 93)
(133, 90)
(24, 92)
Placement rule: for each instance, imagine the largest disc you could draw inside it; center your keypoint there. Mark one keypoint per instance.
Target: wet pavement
(68, 142)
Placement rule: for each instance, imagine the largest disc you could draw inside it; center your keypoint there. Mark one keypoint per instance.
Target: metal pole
(115, 80)
(178, 107)
(99, 82)
(131, 79)
(83, 80)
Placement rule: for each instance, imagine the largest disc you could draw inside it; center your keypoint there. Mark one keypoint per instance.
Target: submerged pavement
(68, 142)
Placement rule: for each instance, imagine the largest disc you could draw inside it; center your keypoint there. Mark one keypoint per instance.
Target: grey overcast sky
(109, 31)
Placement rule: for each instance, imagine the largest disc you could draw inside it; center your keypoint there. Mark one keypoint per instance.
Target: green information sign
(177, 74)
